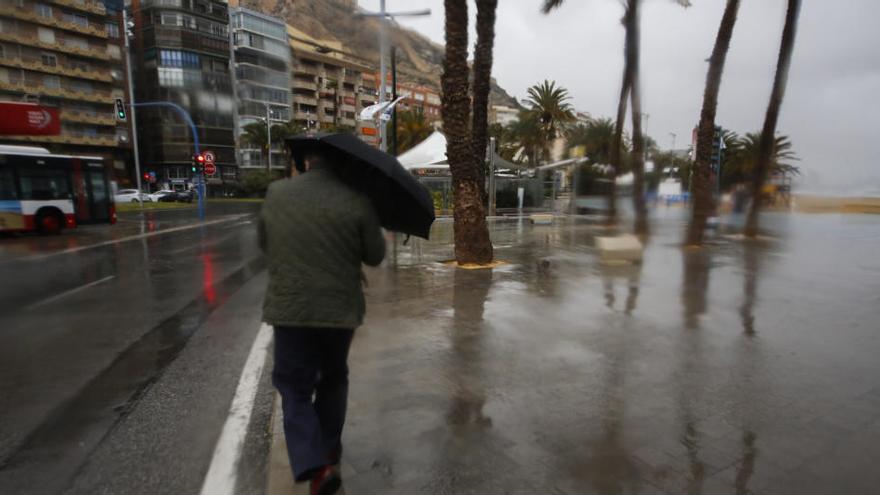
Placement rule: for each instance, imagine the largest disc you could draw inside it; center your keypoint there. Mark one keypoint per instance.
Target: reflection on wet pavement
(739, 368)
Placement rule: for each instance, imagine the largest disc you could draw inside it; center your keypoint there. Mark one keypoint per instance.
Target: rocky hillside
(419, 59)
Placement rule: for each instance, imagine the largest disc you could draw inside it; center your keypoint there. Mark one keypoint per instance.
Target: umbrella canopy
(403, 204)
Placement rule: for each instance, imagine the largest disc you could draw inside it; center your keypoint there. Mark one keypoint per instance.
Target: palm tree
(637, 155)
(762, 166)
(527, 133)
(550, 104)
(412, 129)
(255, 134)
(700, 186)
(629, 87)
(597, 138)
(741, 161)
(482, 81)
(472, 243)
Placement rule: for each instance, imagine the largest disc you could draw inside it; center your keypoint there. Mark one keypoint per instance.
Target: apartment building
(328, 85)
(262, 62)
(183, 53)
(68, 54)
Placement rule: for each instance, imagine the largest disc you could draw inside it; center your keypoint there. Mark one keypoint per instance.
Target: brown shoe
(325, 482)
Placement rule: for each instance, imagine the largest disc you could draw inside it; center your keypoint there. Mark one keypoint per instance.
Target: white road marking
(131, 238)
(67, 293)
(222, 474)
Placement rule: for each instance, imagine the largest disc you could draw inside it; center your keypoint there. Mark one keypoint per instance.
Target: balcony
(30, 15)
(108, 141)
(303, 84)
(307, 100)
(312, 70)
(348, 122)
(34, 42)
(328, 119)
(64, 93)
(299, 115)
(87, 117)
(85, 6)
(38, 66)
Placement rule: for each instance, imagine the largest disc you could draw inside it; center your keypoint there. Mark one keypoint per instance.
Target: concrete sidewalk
(738, 368)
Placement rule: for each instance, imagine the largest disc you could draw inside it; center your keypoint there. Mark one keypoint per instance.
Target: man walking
(315, 231)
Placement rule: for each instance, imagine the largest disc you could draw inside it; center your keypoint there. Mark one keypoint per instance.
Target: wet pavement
(738, 368)
(124, 335)
(744, 367)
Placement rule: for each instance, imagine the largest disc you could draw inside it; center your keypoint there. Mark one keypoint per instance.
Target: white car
(158, 194)
(131, 196)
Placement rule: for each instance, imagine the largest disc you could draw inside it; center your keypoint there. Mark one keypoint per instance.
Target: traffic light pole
(130, 84)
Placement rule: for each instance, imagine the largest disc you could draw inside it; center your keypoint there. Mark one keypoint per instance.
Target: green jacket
(316, 232)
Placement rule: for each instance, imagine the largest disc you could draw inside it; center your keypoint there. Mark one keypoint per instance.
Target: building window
(82, 86)
(177, 58)
(73, 18)
(81, 66)
(46, 35)
(43, 10)
(112, 29)
(114, 51)
(170, 78)
(77, 42)
(4, 73)
(53, 82)
(49, 59)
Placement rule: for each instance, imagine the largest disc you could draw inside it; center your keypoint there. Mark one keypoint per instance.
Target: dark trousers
(311, 374)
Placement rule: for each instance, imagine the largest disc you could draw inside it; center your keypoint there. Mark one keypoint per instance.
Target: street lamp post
(130, 84)
(268, 141)
(673, 140)
(383, 16)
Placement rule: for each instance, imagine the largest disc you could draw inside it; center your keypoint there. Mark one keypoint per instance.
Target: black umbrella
(403, 204)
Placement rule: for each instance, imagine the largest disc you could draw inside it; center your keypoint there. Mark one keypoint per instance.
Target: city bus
(47, 193)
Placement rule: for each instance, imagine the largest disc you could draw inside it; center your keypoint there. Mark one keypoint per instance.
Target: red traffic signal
(200, 159)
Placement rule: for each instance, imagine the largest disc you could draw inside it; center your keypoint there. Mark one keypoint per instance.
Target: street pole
(130, 83)
(383, 16)
(393, 98)
(383, 41)
(673, 140)
(492, 185)
(647, 119)
(268, 141)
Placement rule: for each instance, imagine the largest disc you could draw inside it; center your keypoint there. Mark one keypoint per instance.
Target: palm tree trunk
(617, 146)
(482, 83)
(472, 244)
(638, 150)
(700, 185)
(765, 149)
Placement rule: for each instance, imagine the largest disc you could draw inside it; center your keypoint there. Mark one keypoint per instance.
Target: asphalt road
(121, 348)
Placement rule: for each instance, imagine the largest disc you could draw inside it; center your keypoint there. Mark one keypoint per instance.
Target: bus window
(44, 184)
(7, 185)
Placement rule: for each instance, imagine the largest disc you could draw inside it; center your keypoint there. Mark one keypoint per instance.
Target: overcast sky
(831, 108)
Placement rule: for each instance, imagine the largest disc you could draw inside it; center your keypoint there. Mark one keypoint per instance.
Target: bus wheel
(50, 223)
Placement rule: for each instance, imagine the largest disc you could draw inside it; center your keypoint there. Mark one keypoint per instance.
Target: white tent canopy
(431, 154)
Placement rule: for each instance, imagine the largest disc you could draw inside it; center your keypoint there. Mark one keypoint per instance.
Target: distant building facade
(503, 115)
(330, 86)
(68, 54)
(183, 53)
(262, 62)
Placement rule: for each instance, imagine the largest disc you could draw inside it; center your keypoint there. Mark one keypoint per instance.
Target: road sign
(210, 168)
(209, 157)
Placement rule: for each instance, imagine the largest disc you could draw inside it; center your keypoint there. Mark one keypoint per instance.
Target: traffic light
(147, 176)
(198, 163)
(120, 110)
